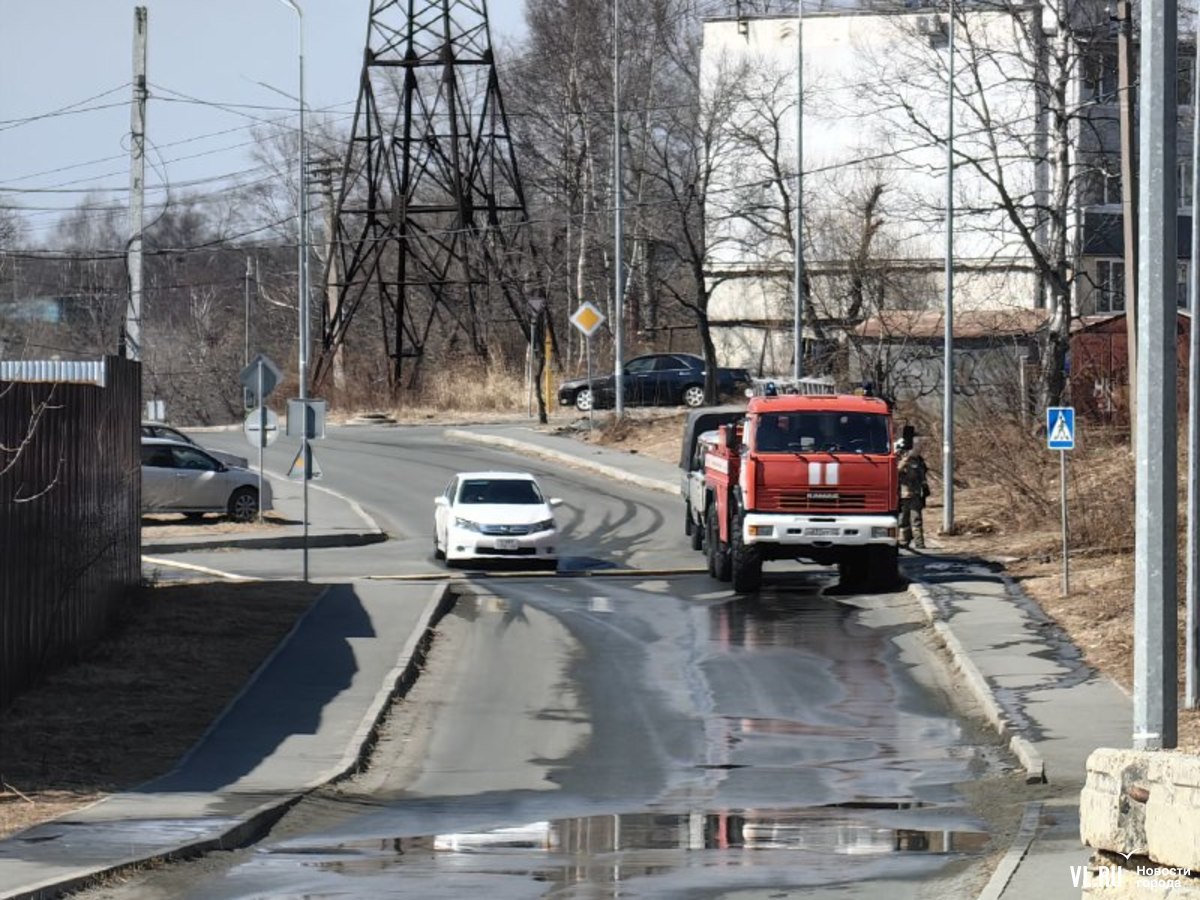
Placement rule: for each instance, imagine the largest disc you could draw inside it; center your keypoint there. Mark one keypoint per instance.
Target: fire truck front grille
(804, 500)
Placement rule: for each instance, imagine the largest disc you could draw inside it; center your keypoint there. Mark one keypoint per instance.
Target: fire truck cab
(803, 477)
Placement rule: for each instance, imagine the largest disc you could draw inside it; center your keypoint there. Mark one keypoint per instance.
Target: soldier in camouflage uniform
(914, 488)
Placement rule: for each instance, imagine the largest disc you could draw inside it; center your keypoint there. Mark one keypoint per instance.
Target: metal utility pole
(332, 274)
(618, 222)
(137, 186)
(1155, 659)
(1126, 105)
(948, 317)
(249, 275)
(1192, 644)
(798, 251)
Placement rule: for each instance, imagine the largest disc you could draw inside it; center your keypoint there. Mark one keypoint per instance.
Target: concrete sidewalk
(334, 521)
(1042, 699)
(305, 719)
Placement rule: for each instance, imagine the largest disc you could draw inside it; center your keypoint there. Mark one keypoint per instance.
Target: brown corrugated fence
(70, 503)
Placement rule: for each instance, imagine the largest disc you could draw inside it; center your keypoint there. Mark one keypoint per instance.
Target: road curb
(1016, 854)
(1020, 746)
(257, 822)
(567, 459)
(316, 541)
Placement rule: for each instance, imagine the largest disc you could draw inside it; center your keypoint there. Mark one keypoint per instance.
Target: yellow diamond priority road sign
(587, 318)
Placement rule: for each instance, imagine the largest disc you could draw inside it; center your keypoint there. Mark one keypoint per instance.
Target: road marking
(584, 573)
(350, 501)
(192, 567)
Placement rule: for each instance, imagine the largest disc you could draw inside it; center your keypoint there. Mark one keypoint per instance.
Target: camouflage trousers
(912, 522)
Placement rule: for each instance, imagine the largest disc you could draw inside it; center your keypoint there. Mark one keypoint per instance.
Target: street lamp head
(295, 6)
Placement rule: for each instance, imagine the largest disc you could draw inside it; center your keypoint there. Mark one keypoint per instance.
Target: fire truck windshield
(815, 432)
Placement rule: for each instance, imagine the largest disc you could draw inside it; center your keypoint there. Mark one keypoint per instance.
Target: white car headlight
(466, 524)
(544, 525)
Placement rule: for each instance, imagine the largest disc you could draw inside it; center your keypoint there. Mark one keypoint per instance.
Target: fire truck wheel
(692, 530)
(708, 542)
(852, 569)
(746, 562)
(882, 568)
(717, 553)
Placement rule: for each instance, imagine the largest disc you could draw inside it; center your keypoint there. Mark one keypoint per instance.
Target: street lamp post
(798, 250)
(618, 225)
(948, 316)
(302, 300)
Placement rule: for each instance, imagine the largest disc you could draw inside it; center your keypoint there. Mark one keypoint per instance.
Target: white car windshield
(505, 491)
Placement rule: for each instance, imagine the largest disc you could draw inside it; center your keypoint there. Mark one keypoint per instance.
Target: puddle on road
(732, 847)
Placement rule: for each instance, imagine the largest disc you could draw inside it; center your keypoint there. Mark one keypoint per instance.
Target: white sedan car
(494, 515)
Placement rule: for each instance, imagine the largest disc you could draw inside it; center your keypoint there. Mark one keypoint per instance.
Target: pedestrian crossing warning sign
(1060, 427)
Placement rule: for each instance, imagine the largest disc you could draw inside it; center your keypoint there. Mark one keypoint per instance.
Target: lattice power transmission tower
(430, 221)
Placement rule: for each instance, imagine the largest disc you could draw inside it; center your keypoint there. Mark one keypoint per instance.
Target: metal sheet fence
(70, 508)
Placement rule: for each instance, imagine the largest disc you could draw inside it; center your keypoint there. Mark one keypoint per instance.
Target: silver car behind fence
(179, 477)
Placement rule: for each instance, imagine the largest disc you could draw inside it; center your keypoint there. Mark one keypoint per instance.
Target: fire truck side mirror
(907, 436)
(731, 440)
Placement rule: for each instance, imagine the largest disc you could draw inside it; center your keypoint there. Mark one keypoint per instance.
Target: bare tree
(1016, 132)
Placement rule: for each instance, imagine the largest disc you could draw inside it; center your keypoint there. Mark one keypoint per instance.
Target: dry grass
(466, 387)
(141, 698)
(175, 525)
(650, 433)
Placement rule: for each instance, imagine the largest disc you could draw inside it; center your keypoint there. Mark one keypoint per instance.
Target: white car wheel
(693, 396)
(583, 400)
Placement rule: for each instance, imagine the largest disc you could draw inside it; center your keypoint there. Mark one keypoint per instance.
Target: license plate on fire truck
(507, 544)
(822, 532)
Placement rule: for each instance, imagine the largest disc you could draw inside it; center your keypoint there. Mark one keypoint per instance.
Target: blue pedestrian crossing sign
(1060, 427)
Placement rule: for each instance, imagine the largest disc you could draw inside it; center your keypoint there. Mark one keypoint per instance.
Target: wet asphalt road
(632, 737)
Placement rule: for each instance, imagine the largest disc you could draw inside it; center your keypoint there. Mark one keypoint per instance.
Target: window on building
(1110, 183)
(1184, 82)
(1183, 181)
(1102, 184)
(1109, 293)
(1181, 296)
(1100, 75)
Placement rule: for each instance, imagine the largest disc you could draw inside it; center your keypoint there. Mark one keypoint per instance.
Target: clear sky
(78, 53)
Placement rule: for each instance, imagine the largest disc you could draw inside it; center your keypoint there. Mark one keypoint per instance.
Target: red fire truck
(803, 477)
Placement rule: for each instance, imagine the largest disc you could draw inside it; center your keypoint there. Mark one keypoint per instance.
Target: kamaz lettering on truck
(803, 477)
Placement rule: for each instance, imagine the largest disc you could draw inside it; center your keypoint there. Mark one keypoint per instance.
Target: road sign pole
(1066, 557)
(591, 393)
(307, 473)
(262, 438)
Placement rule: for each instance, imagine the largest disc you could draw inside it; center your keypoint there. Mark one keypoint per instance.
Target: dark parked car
(657, 379)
